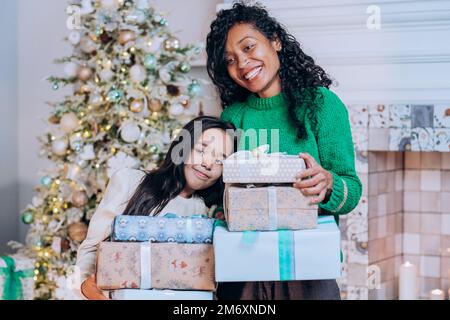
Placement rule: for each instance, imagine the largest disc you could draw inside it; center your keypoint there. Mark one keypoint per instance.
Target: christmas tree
(132, 93)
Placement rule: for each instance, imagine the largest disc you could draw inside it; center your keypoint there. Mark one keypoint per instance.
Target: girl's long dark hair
(161, 185)
(300, 76)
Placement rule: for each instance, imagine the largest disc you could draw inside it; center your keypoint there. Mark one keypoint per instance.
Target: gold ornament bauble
(85, 73)
(126, 36)
(171, 44)
(79, 199)
(155, 106)
(136, 106)
(77, 231)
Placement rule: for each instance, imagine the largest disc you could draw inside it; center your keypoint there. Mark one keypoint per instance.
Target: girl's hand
(314, 181)
(91, 291)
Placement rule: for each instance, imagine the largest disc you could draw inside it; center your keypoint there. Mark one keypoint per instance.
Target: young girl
(265, 81)
(183, 187)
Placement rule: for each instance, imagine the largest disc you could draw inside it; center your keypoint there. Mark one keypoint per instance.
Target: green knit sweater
(329, 142)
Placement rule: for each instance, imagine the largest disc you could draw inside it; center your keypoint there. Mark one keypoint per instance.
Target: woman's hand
(91, 291)
(315, 181)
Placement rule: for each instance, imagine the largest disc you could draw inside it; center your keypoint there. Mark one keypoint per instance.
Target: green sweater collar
(277, 101)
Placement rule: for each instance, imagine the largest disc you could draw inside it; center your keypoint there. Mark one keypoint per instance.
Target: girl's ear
(276, 44)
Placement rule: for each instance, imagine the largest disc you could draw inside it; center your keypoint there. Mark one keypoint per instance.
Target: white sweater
(120, 189)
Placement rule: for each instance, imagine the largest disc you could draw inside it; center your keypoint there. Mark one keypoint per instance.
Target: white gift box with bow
(258, 166)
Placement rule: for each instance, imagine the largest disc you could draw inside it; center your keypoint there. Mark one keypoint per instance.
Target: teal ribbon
(12, 287)
(286, 247)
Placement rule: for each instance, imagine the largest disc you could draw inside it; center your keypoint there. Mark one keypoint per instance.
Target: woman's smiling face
(252, 60)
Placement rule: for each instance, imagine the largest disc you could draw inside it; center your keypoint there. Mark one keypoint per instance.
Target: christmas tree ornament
(28, 217)
(155, 106)
(150, 62)
(126, 36)
(59, 147)
(53, 119)
(74, 37)
(77, 232)
(76, 142)
(194, 89)
(154, 148)
(71, 69)
(79, 199)
(96, 100)
(87, 45)
(69, 122)
(85, 73)
(185, 67)
(111, 5)
(138, 73)
(88, 153)
(114, 95)
(37, 201)
(55, 85)
(106, 75)
(130, 132)
(136, 106)
(46, 181)
(176, 110)
(86, 7)
(171, 44)
(82, 163)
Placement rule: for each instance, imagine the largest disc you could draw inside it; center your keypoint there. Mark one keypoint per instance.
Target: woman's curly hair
(298, 72)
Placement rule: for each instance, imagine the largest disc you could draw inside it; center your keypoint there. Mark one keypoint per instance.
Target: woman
(187, 183)
(266, 82)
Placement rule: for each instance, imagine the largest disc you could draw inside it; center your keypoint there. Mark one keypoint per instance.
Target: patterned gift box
(155, 266)
(16, 278)
(268, 208)
(169, 228)
(139, 294)
(259, 167)
(278, 255)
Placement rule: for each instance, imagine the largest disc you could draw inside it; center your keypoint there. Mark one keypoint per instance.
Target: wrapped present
(278, 255)
(147, 265)
(260, 167)
(268, 208)
(139, 294)
(168, 228)
(16, 278)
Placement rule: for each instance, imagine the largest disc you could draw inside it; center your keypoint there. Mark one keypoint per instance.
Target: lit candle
(437, 294)
(408, 281)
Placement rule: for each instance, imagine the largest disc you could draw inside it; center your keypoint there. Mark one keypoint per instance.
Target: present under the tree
(278, 255)
(268, 208)
(260, 167)
(16, 277)
(168, 228)
(148, 265)
(155, 294)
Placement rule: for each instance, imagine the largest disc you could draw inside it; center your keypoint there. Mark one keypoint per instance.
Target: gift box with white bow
(278, 255)
(148, 265)
(258, 166)
(268, 208)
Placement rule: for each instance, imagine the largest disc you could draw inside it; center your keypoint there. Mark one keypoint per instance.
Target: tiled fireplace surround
(402, 157)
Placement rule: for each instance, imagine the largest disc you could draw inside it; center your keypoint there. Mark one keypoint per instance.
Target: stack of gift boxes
(272, 232)
(158, 258)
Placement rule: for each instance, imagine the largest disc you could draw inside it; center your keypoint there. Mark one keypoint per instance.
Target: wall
(8, 124)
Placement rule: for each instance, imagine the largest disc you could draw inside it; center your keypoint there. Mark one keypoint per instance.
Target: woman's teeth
(252, 73)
